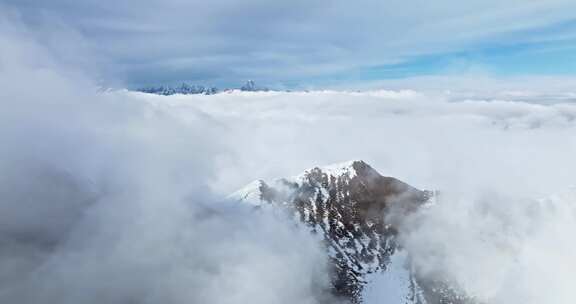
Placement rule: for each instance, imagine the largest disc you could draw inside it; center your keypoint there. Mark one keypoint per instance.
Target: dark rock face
(356, 211)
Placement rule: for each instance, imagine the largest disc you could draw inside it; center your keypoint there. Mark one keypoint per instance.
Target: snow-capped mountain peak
(353, 208)
(334, 170)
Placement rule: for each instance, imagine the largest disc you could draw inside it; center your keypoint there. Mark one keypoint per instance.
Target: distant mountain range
(187, 89)
(356, 211)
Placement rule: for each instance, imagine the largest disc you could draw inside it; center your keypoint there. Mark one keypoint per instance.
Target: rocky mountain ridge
(356, 211)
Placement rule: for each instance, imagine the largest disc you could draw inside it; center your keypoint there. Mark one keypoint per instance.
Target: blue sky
(303, 43)
(556, 58)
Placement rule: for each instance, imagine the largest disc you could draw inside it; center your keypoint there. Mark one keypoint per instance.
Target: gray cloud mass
(106, 200)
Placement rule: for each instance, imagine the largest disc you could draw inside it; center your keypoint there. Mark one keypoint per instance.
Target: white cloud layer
(113, 197)
(427, 139)
(104, 199)
(503, 167)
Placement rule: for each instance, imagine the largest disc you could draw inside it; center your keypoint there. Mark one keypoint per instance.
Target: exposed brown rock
(357, 211)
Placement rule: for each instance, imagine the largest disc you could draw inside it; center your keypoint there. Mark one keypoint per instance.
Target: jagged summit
(353, 207)
(356, 211)
(354, 173)
(255, 192)
(250, 86)
(192, 89)
(338, 169)
(351, 169)
(252, 193)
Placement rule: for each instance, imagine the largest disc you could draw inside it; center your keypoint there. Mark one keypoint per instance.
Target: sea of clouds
(117, 196)
(105, 199)
(503, 168)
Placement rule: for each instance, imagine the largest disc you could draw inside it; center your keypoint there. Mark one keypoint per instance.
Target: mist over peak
(459, 189)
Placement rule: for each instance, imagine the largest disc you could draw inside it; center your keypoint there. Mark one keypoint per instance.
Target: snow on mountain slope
(334, 170)
(355, 210)
(255, 192)
(250, 194)
(395, 285)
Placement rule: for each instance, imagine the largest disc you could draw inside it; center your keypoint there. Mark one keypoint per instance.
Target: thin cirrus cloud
(309, 43)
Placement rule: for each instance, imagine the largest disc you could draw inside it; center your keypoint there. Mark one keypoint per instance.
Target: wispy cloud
(226, 42)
